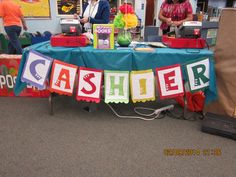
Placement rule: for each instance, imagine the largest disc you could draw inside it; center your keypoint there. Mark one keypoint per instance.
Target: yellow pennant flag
(142, 86)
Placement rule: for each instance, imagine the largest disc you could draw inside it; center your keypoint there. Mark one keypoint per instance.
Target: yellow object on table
(144, 49)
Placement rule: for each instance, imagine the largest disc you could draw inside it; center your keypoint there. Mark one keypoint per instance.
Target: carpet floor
(77, 143)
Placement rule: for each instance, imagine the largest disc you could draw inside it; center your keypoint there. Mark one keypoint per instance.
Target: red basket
(184, 42)
(69, 41)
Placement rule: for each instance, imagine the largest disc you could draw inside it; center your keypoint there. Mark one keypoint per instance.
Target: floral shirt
(176, 11)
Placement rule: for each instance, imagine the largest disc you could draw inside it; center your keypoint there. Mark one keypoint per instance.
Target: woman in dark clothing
(95, 12)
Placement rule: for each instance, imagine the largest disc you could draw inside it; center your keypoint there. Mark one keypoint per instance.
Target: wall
(140, 10)
(42, 25)
(53, 25)
(218, 3)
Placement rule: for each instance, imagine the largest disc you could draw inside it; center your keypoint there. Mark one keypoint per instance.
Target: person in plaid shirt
(174, 13)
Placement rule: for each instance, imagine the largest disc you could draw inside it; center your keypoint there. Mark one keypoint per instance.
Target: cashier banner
(118, 85)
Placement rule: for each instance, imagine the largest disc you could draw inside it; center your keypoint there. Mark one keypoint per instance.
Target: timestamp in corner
(192, 152)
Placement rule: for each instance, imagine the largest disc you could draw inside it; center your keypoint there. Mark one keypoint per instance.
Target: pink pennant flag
(89, 85)
(170, 81)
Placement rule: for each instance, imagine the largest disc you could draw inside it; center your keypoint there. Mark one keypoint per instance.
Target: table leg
(50, 100)
(195, 115)
(92, 107)
(185, 107)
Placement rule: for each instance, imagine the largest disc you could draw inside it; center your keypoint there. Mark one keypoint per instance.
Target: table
(127, 60)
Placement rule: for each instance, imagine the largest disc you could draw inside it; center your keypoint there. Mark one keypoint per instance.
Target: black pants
(13, 33)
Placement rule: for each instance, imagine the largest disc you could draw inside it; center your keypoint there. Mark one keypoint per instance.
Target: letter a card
(62, 78)
(36, 69)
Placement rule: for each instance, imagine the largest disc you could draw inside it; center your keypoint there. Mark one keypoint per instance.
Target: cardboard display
(225, 65)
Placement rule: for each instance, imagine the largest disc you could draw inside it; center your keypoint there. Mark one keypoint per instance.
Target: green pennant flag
(116, 86)
(198, 74)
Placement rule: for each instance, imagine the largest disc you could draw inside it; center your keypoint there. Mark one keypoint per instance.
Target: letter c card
(36, 69)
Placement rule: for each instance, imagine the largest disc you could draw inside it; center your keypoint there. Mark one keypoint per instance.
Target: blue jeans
(13, 33)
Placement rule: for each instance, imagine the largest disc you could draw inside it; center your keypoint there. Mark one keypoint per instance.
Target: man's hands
(84, 20)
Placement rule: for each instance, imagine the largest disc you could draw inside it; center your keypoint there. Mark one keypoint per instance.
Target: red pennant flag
(89, 85)
(170, 82)
(62, 78)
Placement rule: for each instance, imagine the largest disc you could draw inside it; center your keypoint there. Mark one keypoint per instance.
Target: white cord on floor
(155, 113)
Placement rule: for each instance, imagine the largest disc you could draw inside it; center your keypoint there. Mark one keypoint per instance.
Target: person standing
(95, 12)
(174, 13)
(13, 20)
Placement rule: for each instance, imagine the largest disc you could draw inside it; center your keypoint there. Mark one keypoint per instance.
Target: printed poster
(35, 8)
(68, 7)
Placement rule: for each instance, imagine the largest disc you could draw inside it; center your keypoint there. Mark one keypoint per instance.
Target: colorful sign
(8, 72)
(116, 86)
(35, 8)
(68, 7)
(103, 36)
(89, 85)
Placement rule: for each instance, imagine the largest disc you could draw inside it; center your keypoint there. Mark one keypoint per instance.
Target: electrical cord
(159, 113)
(155, 112)
(181, 117)
(151, 116)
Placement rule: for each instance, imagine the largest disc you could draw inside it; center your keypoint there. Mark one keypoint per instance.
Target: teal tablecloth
(121, 60)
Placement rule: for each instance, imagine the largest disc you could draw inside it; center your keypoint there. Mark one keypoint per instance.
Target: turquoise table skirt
(126, 60)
